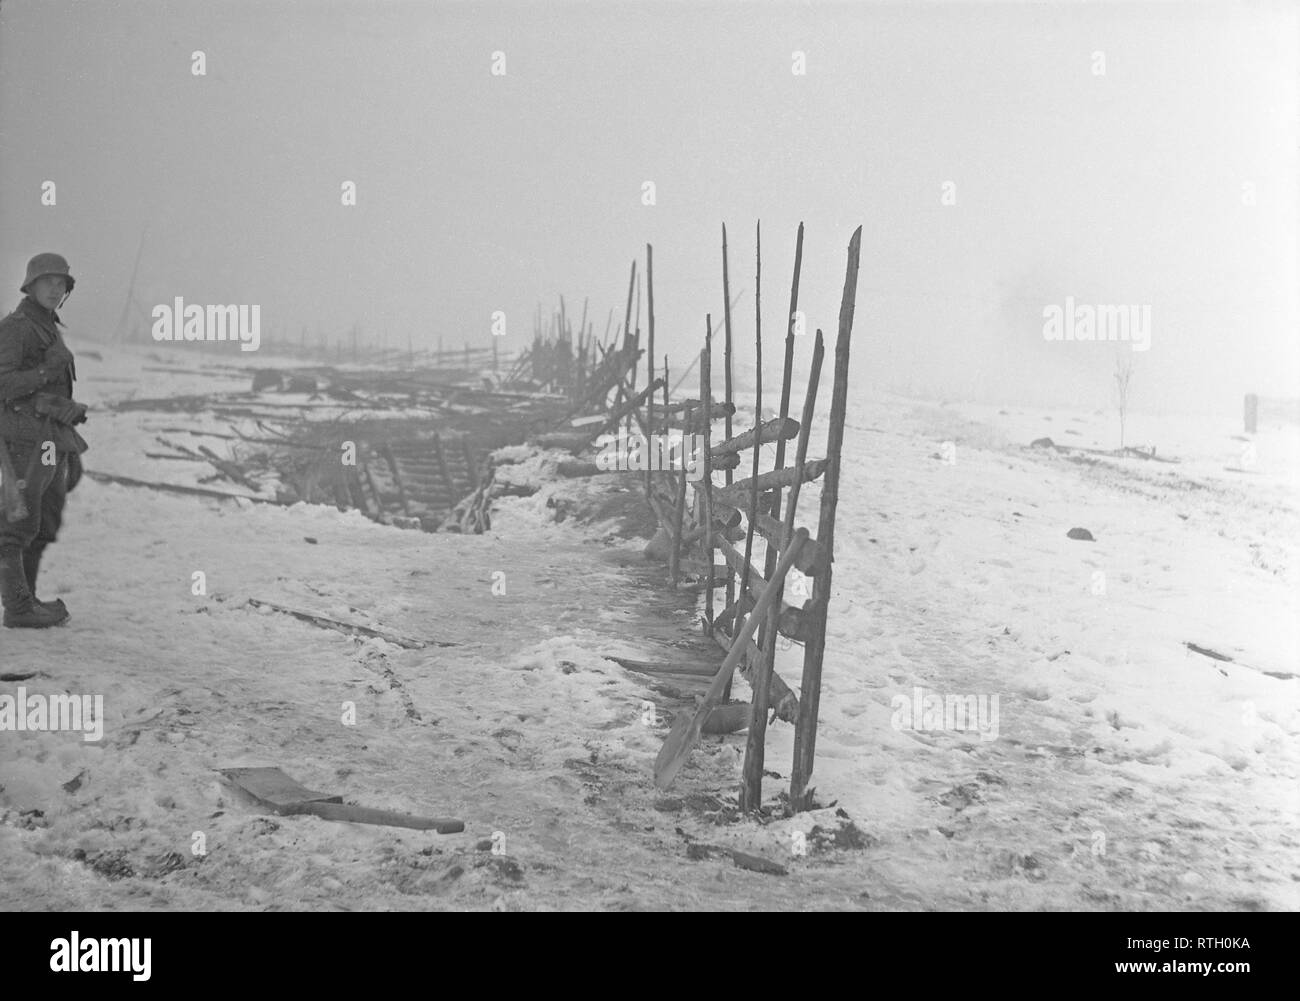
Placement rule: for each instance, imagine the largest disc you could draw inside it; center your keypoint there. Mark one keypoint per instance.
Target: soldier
(40, 450)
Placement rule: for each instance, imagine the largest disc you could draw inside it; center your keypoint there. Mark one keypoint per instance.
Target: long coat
(25, 335)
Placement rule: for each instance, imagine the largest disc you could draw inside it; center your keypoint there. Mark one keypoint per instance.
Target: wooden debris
(350, 628)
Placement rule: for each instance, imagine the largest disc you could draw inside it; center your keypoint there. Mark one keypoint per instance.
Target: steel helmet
(47, 264)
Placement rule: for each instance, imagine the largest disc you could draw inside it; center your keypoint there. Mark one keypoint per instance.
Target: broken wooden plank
(666, 667)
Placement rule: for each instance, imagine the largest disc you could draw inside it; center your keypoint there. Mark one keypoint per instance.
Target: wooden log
(631, 406)
(686, 730)
(778, 429)
(784, 702)
(574, 441)
(791, 620)
(810, 557)
(716, 408)
(805, 740)
(739, 493)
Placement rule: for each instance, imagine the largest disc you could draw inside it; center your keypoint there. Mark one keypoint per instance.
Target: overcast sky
(478, 192)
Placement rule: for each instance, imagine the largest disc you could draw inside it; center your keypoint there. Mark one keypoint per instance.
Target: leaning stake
(805, 736)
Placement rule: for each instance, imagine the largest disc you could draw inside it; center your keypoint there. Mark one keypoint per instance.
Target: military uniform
(36, 408)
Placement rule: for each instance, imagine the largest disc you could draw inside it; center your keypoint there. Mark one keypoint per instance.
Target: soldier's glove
(57, 358)
(60, 408)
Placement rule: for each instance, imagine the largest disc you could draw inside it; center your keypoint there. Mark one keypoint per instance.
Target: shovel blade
(275, 787)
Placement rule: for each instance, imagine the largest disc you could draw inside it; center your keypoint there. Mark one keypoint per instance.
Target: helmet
(47, 264)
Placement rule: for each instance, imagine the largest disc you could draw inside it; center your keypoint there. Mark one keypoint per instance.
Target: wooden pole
(752, 514)
(686, 729)
(679, 514)
(650, 354)
(706, 393)
(627, 321)
(636, 359)
(751, 789)
(726, 382)
(130, 289)
(805, 737)
(770, 563)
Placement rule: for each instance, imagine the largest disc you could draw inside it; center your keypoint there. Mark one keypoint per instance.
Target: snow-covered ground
(1122, 770)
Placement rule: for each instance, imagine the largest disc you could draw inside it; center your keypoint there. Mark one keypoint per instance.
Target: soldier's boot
(32, 565)
(20, 607)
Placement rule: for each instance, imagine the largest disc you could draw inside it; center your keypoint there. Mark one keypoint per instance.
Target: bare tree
(1123, 373)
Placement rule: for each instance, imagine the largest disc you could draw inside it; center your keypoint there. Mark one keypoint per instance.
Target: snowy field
(1112, 767)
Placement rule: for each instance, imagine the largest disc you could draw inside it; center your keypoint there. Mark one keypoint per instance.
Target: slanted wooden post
(1252, 412)
(805, 737)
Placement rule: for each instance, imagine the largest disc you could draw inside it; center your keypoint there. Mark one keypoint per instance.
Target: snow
(1127, 772)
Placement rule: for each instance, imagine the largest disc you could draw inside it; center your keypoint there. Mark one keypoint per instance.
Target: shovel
(285, 797)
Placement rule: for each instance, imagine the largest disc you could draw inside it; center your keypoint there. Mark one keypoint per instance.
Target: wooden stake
(752, 516)
(805, 737)
(751, 788)
(650, 355)
(770, 563)
(680, 514)
(726, 377)
(686, 730)
(706, 394)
